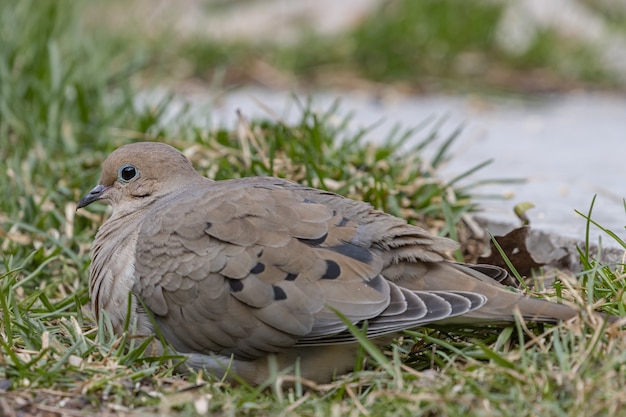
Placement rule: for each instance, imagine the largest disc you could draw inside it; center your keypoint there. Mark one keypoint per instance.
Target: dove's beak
(94, 195)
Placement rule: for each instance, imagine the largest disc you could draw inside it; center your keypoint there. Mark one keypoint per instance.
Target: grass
(66, 100)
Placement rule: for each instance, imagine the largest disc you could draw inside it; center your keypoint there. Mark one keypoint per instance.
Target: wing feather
(249, 268)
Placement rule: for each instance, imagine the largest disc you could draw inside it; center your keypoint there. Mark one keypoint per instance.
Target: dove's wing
(249, 267)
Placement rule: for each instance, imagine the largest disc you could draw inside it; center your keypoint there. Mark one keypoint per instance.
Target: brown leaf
(514, 246)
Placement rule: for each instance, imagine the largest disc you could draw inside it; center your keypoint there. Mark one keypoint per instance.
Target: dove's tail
(507, 304)
(530, 309)
(503, 304)
(505, 307)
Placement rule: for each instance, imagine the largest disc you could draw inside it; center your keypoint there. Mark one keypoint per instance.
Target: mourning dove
(234, 272)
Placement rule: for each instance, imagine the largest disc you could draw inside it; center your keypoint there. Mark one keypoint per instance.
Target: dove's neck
(112, 271)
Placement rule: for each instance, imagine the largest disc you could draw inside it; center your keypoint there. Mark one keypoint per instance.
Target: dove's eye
(127, 173)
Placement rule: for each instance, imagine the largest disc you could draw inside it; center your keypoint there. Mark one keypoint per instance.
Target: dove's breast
(112, 273)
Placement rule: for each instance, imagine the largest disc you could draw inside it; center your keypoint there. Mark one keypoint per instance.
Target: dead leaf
(514, 247)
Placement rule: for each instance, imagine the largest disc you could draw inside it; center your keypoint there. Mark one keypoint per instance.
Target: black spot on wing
(279, 293)
(377, 283)
(291, 277)
(208, 226)
(308, 201)
(332, 270)
(258, 268)
(353, 251)
(342, 222)
(315, 242)
(235, 285)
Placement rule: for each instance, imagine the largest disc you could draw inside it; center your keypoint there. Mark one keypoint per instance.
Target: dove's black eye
(127, 173)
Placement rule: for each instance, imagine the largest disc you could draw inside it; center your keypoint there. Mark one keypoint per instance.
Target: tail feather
(502, 301)
(505, 307)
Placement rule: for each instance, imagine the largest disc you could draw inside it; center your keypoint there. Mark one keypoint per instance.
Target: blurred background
(527, 46)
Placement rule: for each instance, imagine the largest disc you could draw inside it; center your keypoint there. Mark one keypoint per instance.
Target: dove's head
(140, 172)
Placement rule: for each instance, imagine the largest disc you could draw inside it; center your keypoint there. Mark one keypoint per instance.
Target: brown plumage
(235, 271)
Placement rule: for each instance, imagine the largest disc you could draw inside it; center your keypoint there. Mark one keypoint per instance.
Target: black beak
(94, 195)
